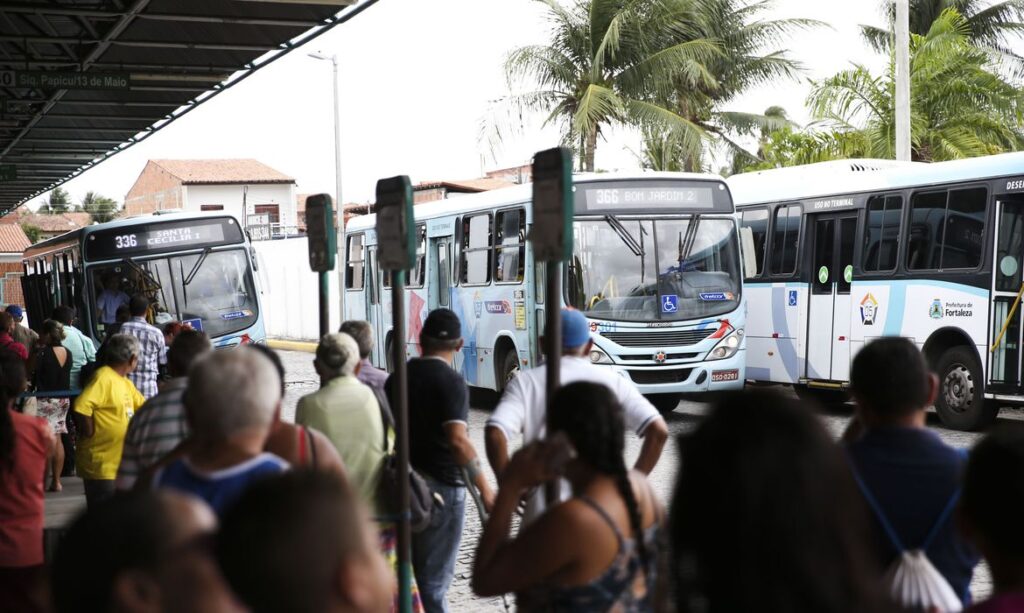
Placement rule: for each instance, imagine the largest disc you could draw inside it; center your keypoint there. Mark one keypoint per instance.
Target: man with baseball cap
(523, 408)
(440, 449)
(22, 333)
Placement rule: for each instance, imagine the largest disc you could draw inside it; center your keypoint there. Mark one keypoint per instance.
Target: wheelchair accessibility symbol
(669, 303)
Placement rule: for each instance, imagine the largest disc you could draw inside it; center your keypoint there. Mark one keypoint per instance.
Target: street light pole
(339, 203)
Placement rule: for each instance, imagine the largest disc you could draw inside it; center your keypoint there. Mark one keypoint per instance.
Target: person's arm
(508, 418)
(497, 450)
(466, 457)
(85, 405)
(655, 435)
(542, 549)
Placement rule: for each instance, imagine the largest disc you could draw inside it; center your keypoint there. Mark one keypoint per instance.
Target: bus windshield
(651, 269)
(219, 295)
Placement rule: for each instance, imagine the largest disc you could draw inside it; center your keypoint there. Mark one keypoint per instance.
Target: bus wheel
(665, 403)
(960, 403)
(509, 369)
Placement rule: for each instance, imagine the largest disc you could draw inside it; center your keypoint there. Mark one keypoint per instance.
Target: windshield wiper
(143, 272)
(624, 234)
(195, 269)
(686, 244)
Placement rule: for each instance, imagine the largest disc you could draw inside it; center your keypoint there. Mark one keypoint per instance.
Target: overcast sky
(416, 80)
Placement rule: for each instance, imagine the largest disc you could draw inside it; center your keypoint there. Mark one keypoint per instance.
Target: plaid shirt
(154, 431)
(151, 355)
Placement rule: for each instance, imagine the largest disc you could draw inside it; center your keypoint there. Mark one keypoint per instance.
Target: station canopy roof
(81, 80)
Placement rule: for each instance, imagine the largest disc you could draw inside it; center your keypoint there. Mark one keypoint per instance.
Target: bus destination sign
(658, 195)
(162, 237)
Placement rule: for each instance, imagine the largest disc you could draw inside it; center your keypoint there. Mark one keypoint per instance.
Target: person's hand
(528, 467)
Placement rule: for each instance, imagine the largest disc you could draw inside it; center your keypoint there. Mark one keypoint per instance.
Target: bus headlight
(598, 356)
(727, 347)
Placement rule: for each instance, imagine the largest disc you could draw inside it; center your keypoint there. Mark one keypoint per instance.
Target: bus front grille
(660, 375)
(660, 339)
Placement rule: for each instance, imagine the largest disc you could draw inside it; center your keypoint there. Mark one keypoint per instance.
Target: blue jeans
(435, 549)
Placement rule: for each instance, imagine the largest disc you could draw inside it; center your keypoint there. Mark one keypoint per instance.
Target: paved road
(301, 379)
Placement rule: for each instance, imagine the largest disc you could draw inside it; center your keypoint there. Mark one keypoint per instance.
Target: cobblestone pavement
(301, 379)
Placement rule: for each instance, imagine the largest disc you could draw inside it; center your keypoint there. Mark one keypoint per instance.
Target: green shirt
(346, 411)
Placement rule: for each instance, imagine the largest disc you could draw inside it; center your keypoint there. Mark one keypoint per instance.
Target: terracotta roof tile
(58, 222)
(467, 185)
(13, 239)
(191, 172)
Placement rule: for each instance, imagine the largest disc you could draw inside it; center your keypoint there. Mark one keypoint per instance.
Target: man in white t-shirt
(523, 407)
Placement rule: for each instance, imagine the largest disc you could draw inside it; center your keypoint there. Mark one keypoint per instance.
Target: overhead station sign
(53, 80)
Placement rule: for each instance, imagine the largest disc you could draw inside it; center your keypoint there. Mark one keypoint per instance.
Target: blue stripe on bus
(896, 307)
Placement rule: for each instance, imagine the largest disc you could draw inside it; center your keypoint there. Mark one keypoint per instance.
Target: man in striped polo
(159, 425)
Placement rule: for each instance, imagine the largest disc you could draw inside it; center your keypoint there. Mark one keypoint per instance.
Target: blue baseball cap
(15, 311)
(575, 329)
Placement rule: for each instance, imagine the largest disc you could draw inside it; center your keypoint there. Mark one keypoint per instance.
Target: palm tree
(99, 207)
(959, 106)
(992, 25)
(606, 64)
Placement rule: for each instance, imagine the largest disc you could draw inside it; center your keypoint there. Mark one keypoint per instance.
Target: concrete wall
(231, 196)
(290, 290)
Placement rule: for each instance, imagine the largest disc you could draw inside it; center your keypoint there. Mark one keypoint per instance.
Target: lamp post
(342, 246)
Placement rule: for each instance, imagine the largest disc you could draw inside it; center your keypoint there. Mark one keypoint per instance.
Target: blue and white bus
(656, 270)
(195, 268)
(839, 253)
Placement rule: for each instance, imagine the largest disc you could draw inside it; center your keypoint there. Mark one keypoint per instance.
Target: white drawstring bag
(913, 580)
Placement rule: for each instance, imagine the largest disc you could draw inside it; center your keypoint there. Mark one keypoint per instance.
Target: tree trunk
(589, 147)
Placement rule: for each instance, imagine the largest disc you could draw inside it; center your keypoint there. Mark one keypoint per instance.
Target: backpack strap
(941, 521)
(875, 507)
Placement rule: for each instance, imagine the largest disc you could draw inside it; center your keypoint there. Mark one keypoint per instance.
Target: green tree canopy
(58, 202)
(960, 106)
(99, 207)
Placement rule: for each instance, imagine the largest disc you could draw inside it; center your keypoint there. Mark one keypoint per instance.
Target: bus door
(439, 267)
(374, 313)
(828, 322)
(1005, 359)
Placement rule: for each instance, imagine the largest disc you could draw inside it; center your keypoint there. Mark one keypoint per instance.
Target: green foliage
(32, 232)
(101, 208)
(57, 203)
(960, 106)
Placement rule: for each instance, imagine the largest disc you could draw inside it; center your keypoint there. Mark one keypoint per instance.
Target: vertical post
(901, 48)
(553, 329)
(402, 432)
(343, 243)
(325, 309)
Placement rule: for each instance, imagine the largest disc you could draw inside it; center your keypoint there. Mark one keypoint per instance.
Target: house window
(211, 207)
(272, 212)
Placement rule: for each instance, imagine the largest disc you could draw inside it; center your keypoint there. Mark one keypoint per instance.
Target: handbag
(422, 501)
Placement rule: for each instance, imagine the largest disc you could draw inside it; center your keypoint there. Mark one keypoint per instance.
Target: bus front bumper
(689, 378)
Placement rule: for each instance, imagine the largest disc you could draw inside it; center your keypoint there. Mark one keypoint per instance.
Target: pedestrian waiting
(151, 347)
(53, 374)
(303, 543)
(7, 342)
(362, 333)
(22, 333)
(82, 349)
(229, 404)
(598, 550)
(102, 413)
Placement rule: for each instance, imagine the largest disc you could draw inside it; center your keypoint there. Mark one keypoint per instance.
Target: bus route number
(607, 196)
(126, 241)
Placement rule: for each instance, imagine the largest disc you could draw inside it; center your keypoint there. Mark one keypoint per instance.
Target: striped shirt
(151, 354)
(154, 432)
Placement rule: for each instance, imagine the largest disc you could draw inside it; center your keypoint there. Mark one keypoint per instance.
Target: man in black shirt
(439, 449)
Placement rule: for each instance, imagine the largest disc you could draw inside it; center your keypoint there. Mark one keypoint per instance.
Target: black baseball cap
(443, 325)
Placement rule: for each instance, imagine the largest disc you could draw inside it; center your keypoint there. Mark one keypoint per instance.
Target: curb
(284, 345)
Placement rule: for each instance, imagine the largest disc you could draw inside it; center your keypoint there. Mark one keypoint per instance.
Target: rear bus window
(786, 239)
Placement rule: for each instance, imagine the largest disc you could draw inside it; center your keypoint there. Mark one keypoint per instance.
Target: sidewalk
(60, 509)
(281, 344)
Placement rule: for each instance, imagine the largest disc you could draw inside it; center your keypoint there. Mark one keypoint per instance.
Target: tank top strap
(301, 431)
(606, 517)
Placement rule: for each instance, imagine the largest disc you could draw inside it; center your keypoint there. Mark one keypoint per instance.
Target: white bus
(840, 253)
(656, 270)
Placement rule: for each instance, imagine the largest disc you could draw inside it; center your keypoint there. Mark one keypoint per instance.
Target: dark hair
(64, 314)
(138, 305)
(186, 347)
(766, 516)
(275, 360)
(6, 321)
(123, 313)
(993, 494)
(54, 332)
(889, 376)
(316, 525)
(129, 531)
(362, 333)
(12, 382)
(592, 418)
(172, 329)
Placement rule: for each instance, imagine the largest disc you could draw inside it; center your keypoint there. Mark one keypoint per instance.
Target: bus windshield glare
(654, 269)
(220, 294)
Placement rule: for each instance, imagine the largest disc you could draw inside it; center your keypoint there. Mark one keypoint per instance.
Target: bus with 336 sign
(655, 268)
(194, 268)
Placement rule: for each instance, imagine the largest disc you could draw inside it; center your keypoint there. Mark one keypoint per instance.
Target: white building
(262, 198)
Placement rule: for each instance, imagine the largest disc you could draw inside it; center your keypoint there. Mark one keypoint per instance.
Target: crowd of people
(200, 497)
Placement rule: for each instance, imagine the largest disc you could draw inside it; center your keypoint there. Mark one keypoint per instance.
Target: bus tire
(665, 403)
(961, 401)
(509, 369)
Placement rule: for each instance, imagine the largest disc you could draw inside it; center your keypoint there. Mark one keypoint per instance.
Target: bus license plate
(725, 375)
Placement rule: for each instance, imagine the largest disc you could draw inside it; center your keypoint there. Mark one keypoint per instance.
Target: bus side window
(510, 248)
(355, 269)
(475, 255)
(946, 229)
(881, 233)
(417, 274)
(754, 237)
(443, 278)
(786, 239)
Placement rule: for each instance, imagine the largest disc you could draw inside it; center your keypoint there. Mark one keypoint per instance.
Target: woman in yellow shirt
(102, 413)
